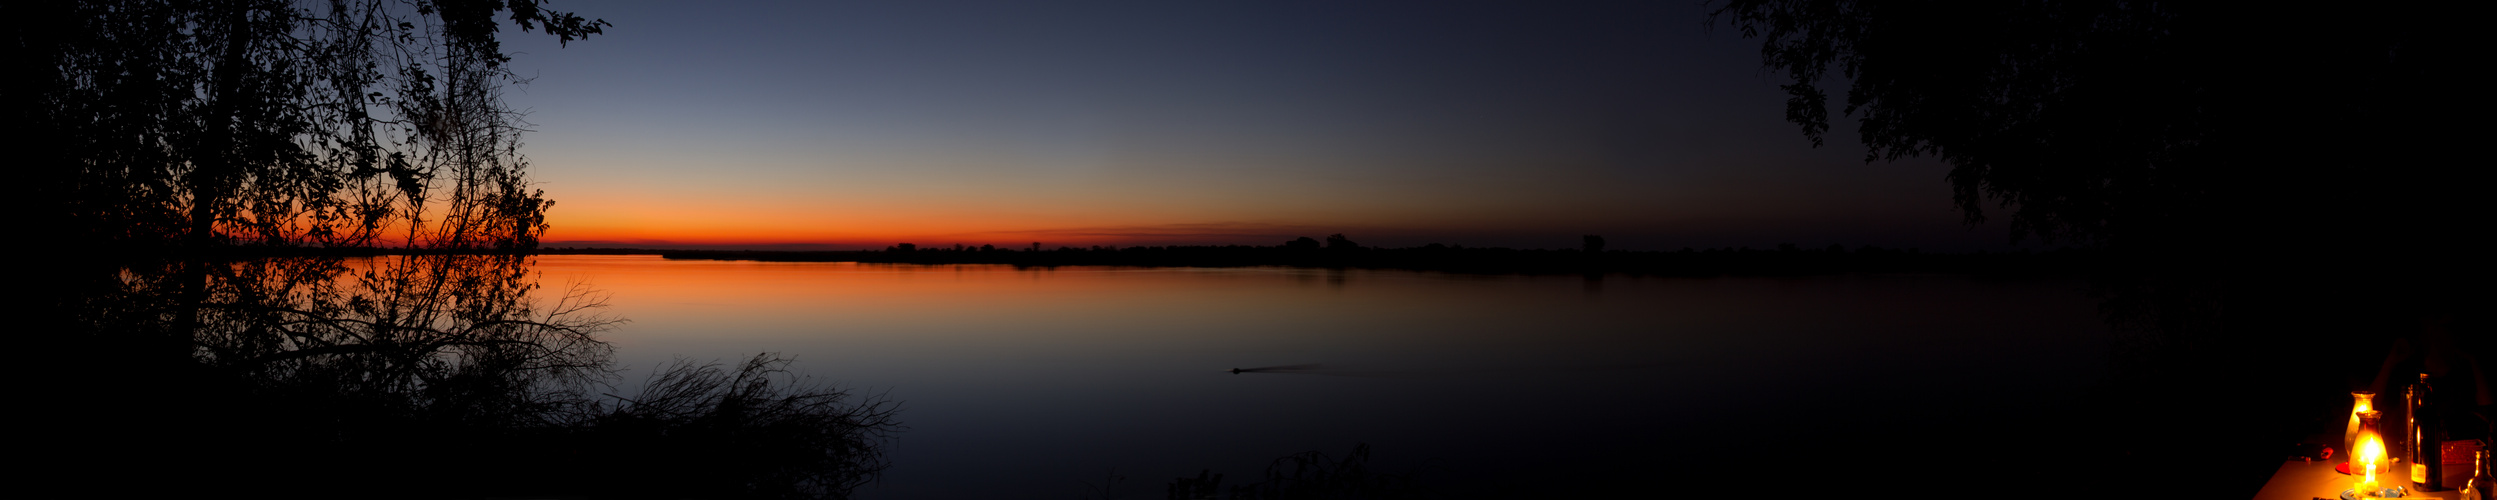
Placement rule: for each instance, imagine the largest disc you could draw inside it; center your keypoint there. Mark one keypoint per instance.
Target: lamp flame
(2370, 452)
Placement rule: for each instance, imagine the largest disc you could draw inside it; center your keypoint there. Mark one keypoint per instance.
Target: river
(1110, 382)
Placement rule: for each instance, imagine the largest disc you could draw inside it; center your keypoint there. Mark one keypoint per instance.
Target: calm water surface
(1031, 383)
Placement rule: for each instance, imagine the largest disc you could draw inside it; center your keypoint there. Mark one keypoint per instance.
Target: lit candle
(2370, 451)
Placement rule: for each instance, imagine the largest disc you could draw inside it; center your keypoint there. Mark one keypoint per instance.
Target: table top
(2302, 480)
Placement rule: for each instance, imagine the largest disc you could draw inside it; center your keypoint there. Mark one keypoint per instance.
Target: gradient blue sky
(854, 124)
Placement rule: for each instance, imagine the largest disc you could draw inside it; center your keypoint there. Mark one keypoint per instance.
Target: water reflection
(1035, 381)
(432, 374)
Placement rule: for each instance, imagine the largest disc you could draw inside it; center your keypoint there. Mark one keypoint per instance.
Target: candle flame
(2370, 455)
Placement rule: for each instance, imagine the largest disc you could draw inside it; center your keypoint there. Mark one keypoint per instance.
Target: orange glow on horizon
(728, 226)
(872, 210)
(872, 238)
(764, 220)
(879, 233)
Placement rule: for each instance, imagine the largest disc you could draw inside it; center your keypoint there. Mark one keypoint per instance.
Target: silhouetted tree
(1339, 242)
(1592, 243)
(2190, 140)
(275, 122)
(1303, 243)
(2145, 123)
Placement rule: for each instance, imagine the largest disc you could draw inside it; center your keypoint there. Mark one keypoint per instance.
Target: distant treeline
(1783, 260)
(1786, 259)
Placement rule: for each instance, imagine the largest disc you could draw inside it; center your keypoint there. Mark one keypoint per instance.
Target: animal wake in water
(1308, 368)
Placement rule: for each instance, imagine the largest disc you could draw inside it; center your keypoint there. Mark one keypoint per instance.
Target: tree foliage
(2140, 123)
(347, 123)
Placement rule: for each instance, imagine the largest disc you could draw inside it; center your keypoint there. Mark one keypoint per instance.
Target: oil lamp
(2361, 401)
(2370, 457)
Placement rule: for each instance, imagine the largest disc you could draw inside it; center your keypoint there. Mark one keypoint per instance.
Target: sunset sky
(860, 125)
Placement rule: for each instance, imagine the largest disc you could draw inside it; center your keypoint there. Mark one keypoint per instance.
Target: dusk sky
(859, 125)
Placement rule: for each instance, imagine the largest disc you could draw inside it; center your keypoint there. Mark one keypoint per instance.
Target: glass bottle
(2477, 487)
(2425, 449)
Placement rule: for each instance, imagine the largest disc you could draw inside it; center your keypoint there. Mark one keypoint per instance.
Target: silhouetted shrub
(699, 430)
